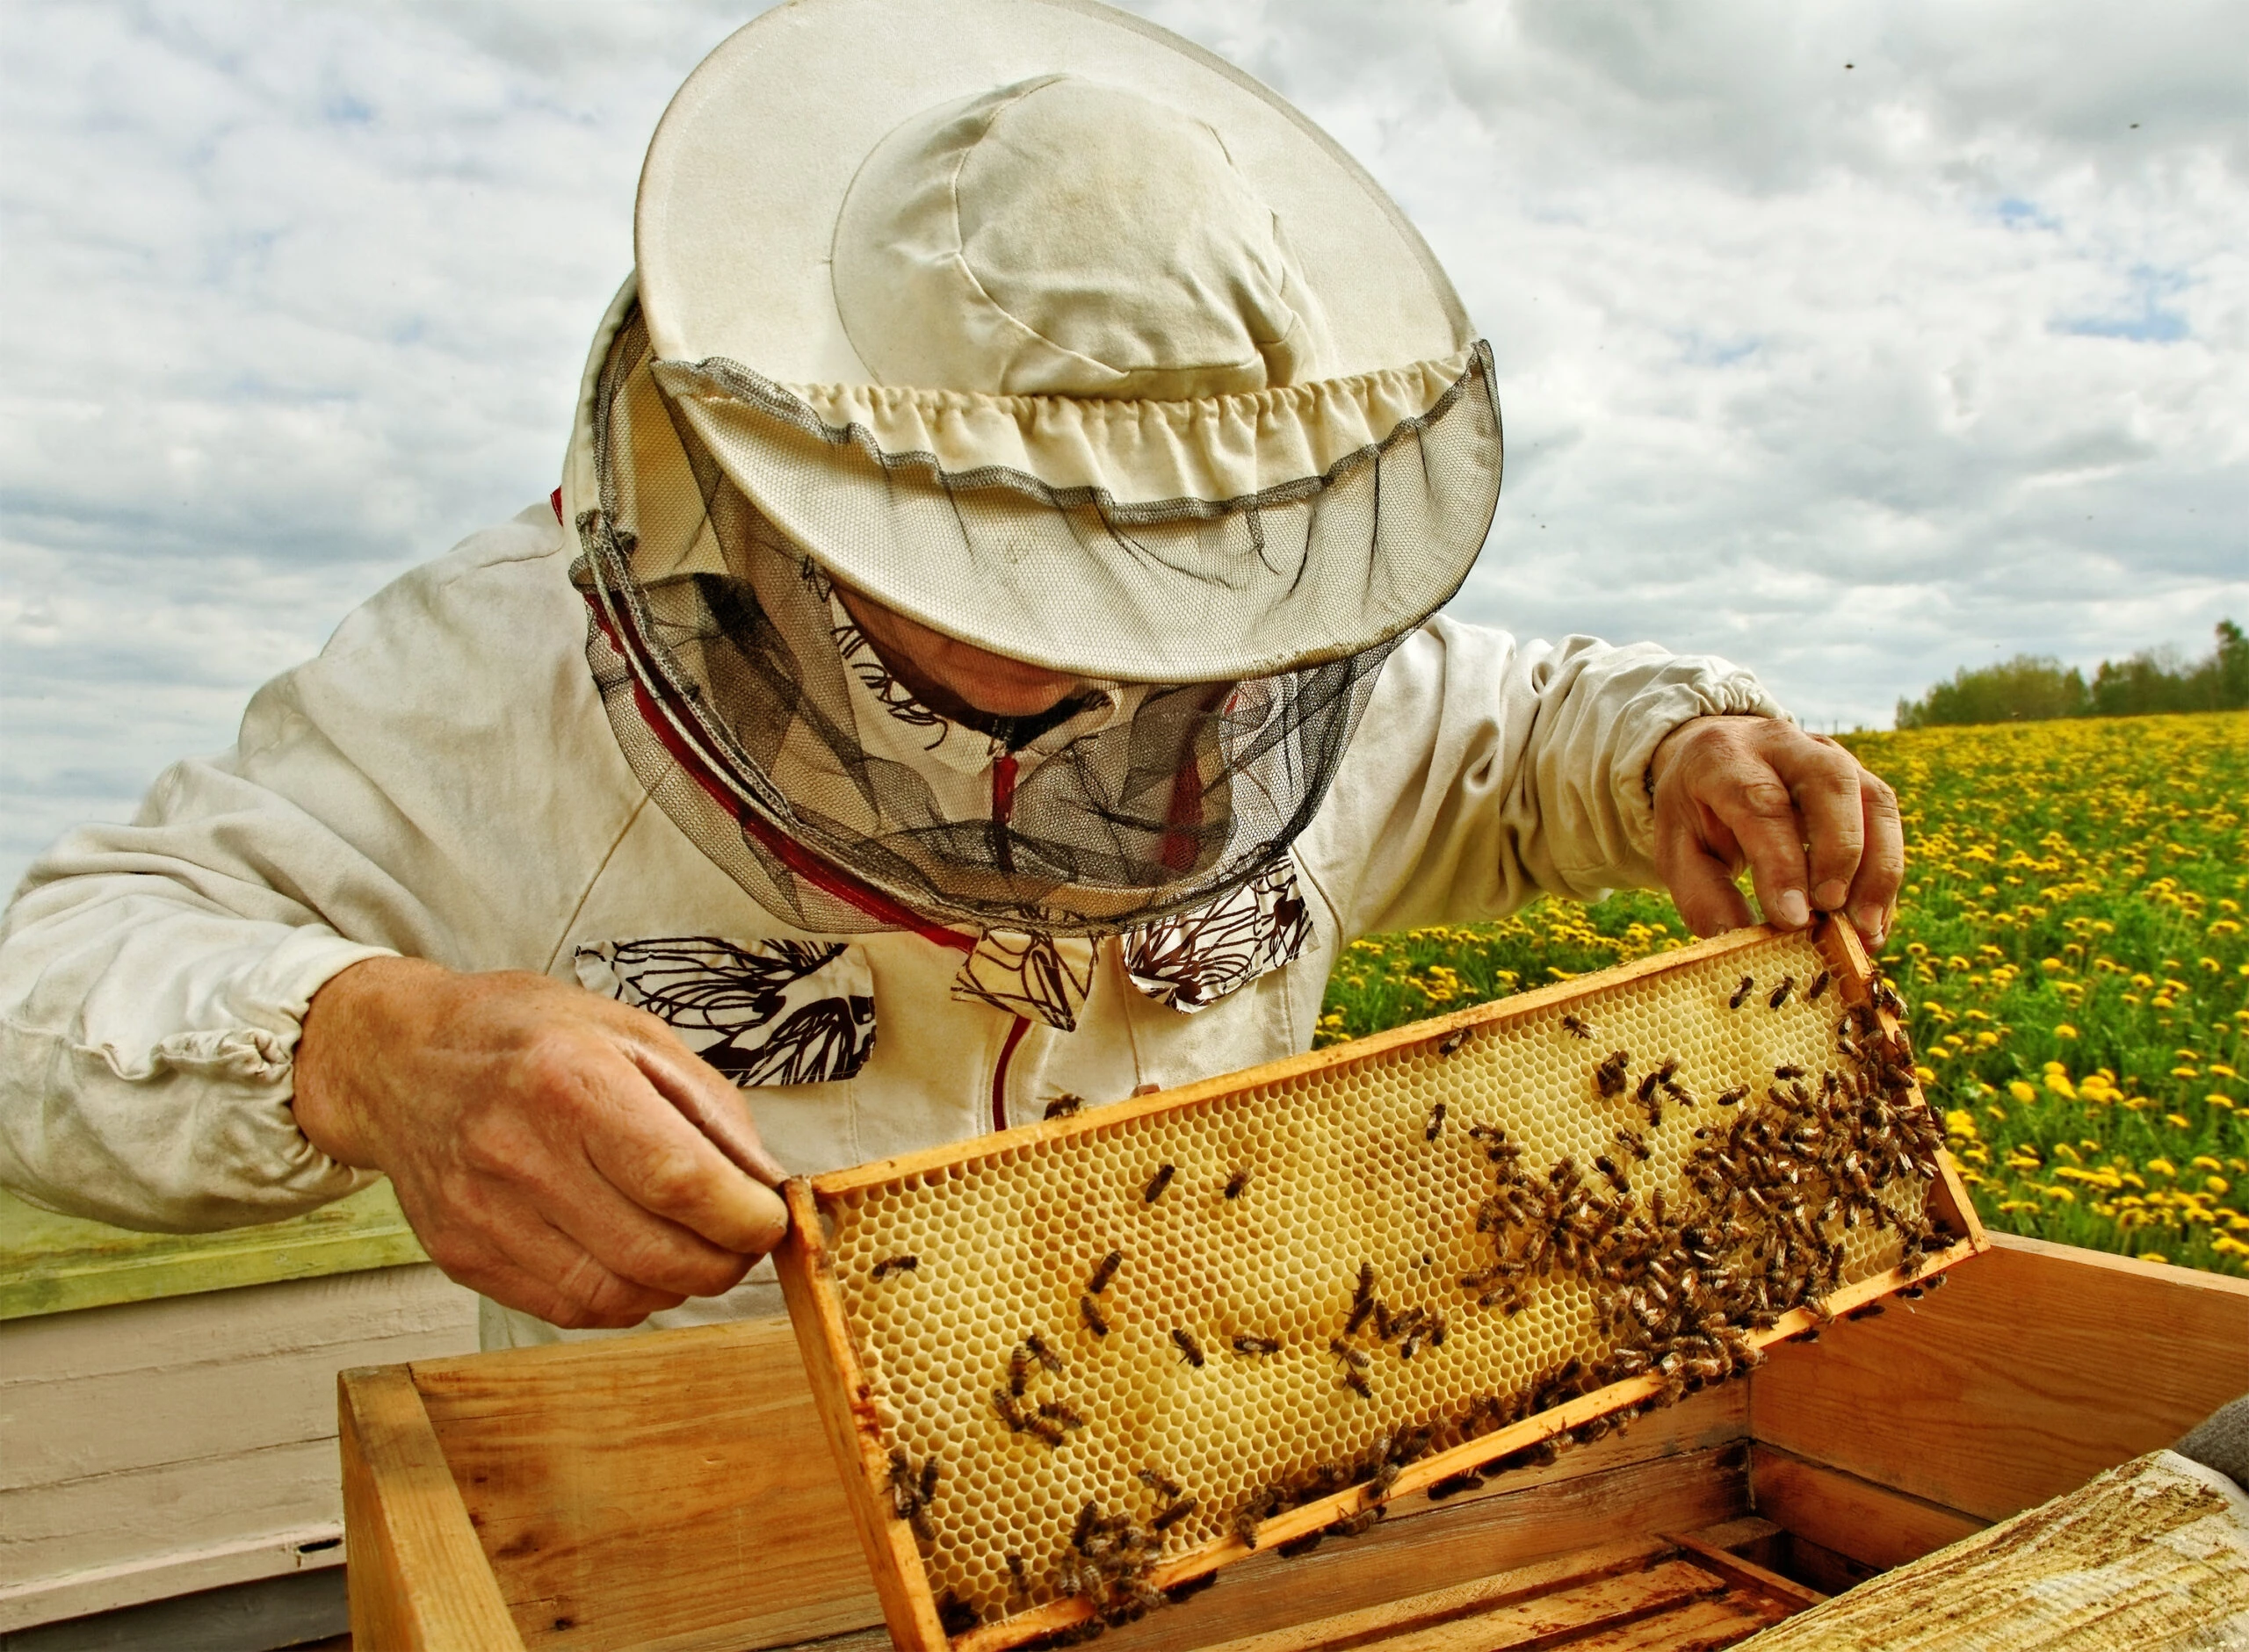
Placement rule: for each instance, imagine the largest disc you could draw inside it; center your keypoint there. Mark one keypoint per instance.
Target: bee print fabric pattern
(761, 1011)
(1199, 956)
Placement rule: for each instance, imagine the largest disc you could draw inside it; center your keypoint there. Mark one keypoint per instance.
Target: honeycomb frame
(864, 1419)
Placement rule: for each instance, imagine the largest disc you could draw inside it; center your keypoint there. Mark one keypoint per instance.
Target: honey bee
(1235, 1183)
(1035, 1346)
(1362, 1302)
(1064, 1104)
(1157, 1182)
(1868, 1310)
(1412, 1345)
(1636, 1144)
(1018, 1579)
(1781, 992)
(1189, 1348)
(1577, 1027)
(1091, 1315)
(1788, 1070)
(1452, 1485)
(1450, 1043)
(1010, 1410)
(1256, 1344)
(1357, 1383)
(1818, 985)
(1437, 1122)
(890, 1265)
(1018, 1371)
(1646, 1091)
(1353, 1357)
(1244, 1526)
(1055, 1411)
(1046, 1429)
(1741, 993)
(1609, 1075)
(1172, 1515)
(1104, 1272)
(1733, 1097)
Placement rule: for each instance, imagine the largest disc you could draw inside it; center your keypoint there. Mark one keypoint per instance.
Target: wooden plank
(1520, 1006)
(2017, 1381)
(419, 1580)
(1447, 1605)
(1427, 1548)
(673, 1490)
(1748, 1574)
(1570, 1605)
(151, 1449)
(53, 1264)
(1868, 1523)
(1702, 1627)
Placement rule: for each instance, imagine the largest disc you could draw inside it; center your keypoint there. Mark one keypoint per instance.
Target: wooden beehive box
(673, 1492)
(1072, 1369)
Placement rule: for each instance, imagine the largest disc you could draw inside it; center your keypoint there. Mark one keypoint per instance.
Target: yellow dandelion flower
(2021, 1091)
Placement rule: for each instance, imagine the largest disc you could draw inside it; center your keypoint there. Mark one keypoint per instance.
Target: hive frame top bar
(857, 1431)
(1838, 940)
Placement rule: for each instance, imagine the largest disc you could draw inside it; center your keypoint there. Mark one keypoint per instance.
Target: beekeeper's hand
(554, 1149)
(1817, 832)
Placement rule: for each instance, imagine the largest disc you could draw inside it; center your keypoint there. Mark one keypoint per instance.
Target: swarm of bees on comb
(1106, 1361)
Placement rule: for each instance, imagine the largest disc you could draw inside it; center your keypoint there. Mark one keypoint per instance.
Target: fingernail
(1870, 923)
(1831, 894)
(1790, 909)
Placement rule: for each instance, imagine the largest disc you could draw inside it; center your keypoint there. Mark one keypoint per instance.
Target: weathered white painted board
(150, 1448)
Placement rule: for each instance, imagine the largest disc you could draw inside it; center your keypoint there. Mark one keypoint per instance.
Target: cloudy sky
(1855, 342)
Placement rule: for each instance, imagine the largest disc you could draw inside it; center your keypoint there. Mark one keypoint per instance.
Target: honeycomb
(1276, 1197)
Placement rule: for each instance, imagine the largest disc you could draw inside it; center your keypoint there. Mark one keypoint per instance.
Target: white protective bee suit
(446, 781)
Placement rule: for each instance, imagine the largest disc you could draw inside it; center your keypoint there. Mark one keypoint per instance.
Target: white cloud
(1854, 373)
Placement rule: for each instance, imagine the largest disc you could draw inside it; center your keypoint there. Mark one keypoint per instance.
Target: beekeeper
(980, 651)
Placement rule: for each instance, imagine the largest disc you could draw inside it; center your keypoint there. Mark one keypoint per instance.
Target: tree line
(2032, 687)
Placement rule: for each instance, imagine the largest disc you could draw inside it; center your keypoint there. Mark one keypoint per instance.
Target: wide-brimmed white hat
(1054, 332)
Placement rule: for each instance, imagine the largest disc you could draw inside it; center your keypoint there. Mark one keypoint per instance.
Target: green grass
(2072, 943)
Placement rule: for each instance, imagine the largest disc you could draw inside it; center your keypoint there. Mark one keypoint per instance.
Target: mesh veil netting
(714, 646)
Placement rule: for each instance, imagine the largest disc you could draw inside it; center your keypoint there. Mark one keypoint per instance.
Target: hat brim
(739, 197)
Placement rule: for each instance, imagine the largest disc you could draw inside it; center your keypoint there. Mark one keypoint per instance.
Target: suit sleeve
(409, 791)
(1486, 772)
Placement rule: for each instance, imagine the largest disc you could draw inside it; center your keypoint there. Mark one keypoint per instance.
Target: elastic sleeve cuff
(1727, 692)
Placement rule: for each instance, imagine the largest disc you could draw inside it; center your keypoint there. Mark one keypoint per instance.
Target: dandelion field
(2072, 943)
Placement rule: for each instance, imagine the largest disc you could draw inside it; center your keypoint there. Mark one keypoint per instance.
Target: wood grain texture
(1424, 1548)
(2038, 1366)
(419, 1580)
(1746, 1574)
(670, 1490)
(1868, 1523)
(843, 1400)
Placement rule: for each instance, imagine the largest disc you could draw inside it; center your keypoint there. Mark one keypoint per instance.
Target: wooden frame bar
(845, 1395)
